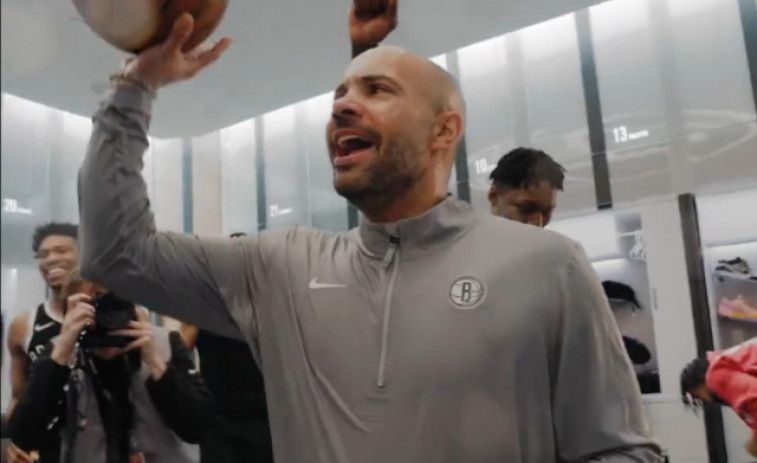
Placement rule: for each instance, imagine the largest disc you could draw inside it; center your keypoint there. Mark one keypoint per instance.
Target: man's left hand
(371, 21)
(141, 331)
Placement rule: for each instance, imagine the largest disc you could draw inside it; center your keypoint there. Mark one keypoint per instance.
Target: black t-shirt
(236, 383)
(232, 376)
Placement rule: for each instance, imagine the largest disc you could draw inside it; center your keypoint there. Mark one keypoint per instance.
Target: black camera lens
(111, 313)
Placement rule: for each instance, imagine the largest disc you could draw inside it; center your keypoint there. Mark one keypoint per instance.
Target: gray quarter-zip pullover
(451, 337)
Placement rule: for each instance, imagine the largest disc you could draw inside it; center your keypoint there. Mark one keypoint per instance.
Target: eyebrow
(380, 77)
(371, 78)
(56, 247)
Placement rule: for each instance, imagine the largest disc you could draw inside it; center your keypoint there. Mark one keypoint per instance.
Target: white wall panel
(286, 170)
(167, 202)
(490, 126)
(328, 210)
(556, 106)
(239, 185)
(206, 185)
(674, 329)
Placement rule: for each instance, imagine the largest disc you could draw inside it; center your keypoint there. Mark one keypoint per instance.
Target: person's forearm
(187, 409)
(46, 384)
(62, 353)
(180, 396)
(40, 402)
(113, 203)
(120, 246)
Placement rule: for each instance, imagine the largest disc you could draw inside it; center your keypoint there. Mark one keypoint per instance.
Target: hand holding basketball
(167, 63)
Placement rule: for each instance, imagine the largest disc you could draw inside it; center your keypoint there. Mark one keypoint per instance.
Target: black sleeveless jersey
(40, 330)
(39, 333)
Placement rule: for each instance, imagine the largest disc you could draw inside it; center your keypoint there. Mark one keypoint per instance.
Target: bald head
(438, 86)
(396, 123)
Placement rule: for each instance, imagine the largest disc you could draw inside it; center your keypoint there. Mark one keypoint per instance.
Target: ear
(448, 131)
(493, 195)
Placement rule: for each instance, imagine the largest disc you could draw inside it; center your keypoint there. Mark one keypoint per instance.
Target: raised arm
(371, 21)
(596, 400)
(181, 276)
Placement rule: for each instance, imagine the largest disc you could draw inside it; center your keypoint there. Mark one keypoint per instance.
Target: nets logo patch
(466, 293)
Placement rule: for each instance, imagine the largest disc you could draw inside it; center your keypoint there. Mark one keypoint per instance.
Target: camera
(111, 313)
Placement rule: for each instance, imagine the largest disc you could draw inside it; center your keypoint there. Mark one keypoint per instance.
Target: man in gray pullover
(431, 333)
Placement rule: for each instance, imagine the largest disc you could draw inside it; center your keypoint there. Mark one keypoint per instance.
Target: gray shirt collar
(437, 227)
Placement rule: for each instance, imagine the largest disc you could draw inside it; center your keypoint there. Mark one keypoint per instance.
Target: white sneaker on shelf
(737, 265)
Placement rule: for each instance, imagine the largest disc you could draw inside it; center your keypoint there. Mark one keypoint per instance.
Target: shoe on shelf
(737, 309)
(737, 265)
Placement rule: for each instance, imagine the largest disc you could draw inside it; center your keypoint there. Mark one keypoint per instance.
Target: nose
(347, 106)
(53, 257)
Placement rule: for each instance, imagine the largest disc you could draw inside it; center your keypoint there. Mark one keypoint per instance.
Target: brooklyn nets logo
(466, 293)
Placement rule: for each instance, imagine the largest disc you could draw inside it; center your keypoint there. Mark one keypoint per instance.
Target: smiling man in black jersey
(57, 253)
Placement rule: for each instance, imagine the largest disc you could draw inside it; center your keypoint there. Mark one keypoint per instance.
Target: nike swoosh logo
(315, 285)
(39, 328)
(193, 372)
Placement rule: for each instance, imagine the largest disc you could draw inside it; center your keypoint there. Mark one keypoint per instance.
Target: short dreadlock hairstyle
(527, 167)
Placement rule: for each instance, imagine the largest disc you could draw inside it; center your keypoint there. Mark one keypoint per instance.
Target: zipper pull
(394, 243)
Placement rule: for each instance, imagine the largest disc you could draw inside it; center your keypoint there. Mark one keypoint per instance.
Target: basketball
(134, 25)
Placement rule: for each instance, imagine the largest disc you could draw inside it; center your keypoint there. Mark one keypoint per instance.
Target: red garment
(732, 376)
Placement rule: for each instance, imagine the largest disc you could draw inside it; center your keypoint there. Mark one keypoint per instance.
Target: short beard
(393, 174)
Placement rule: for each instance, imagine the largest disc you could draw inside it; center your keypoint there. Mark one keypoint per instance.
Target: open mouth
(351, 145)
(57, 272)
